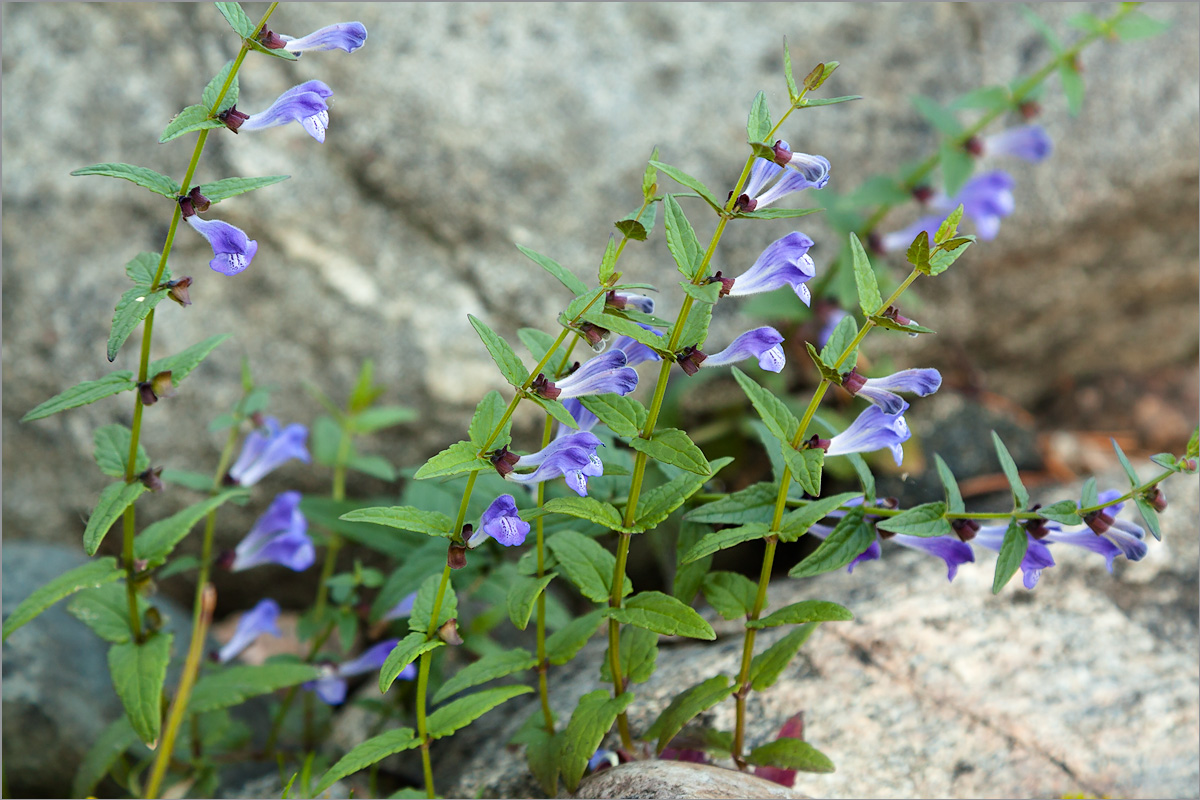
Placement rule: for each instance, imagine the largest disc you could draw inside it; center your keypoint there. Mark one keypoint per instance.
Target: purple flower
(881, 391)
(815, 175)
(635, 351)
(874, 429)
(278, 537)
(501, 522)
(901, 239)
(1037, 555)
(1028, 142)
(262, 453)
(600, 375)
(986, 199)
(572, 456)
(306, 104)
(348, 36)
(763, 343)
(641, 302)
(255, 622)
(232, 248)
(402, 609)
(784, 261)
(1117, 537)
(331, 687)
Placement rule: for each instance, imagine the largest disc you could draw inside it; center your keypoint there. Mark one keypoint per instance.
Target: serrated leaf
(720, 540)
(557, 410)
(695, 327)
(487, 416)
(663, 614)
(590, 721)
(422, 609)
(234, 685)
(956, 165)
(521, 597)
(1064, 511)
(588, 508)
(581, 305)
(609, 262)
(213, 89)
(849, 538)
(541, 753)
(142, 268)
(794, 754)
(799, 521)
(407, 518)
(563, 644)
(181, 364)
(927, 519)
(777, 213)
(489, 668)
(1166, 460)
(1072, 86)
(767, 666)
(138, 673)
(111, 451)
(586, 564)
(567, 278)
(1019, 492)
(775, 415)
(805, 466)
(82, 394)
(658, 503)
(639, 229)
(105, 609)
(232, 187)
(869, 298)
(114, 499)
(686, 705)
(1012, 551)
(365, 754)
(953, 495)
(406, 651)
(192, 118)
(752, 504)
(157, 541)
(681, 177)
(109, 747)
(146, 178)
(788, 76)
(681, 238)
(946, 254)
(1149, 515)
(509, 363)
(804, 611)
(731, 594)
(130, 310)
(624, 416)
(638, 653)
(758, 125)
(86, 576)
(465, 710)
(673, 446)
(237, 20)
(454, 460)
(831, 354)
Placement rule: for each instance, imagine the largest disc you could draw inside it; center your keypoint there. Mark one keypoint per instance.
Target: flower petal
(255, 622)
(348, 36)
(763, 343)
(233, 250)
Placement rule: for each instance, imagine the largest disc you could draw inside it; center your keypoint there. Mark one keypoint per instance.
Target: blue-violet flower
(1028, 142)
(279, 536)
(501, 522)
(874, 429)
(572, 456)
(882, 391)
(784, 261)
(262, 453)
(331, 688)
(348, 36)
(765, 344)
(232, 248)
(255, 622)
(757, 196)
(1037, 555)
(306, 104)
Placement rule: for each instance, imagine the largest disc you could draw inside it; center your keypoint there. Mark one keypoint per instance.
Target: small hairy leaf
(192, 118)
(767, 666)
(462, 712)
(146, 178)
(113, 501)
(83, 393)
(953, 495)
(509, 363)
(1064, 512)
(681, 238)
(720, 540)
(407, 518)
(563, 644)
(406, 651)
(1012, 551)
(624, 416)
(111, 451)
(638, 651)
(567, 278)
(237, 19)
(686, 705)
(673, 446)
(1019, 492)
(365, 754)
(804, 611)
(869, 298)
(927, 519)
(588, 508)
(663, 614)
(232, 187)
(86, 576)
(181, 364)
(796, 523)
(658, 503)
(850, 538)
(454, 460)
(213, 89)
(159, 539)
(681, 177)
(489, 668)
(589, 723)
(791, 754)
(112, 743)
(522, 595)
(234, 685)
(138, 673)
(731, 594)
(422, 608)
(758, 125)
(775, 415)
(105, 609)
(587, 564)
(805, 466)
(131, 309)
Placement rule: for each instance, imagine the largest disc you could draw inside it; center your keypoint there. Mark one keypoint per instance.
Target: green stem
(423, 673)
(542, 666)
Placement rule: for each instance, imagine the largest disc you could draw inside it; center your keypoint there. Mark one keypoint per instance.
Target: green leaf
(574, 285)
(487, 416)
(831, 354)
(146, 178)
(590, 721)
(1012, 551)
(686, 705)
(778, 213)
(942, 119)
(720, 540)
(805, 466)
(108, 748)
(234, 685)
(237, 20)
(555, 409)
(681, 177)
(375, 466)
(280, 54)
(580, 305)
(406, 651)
(663, 614)
(869, 298)
(588, 508)
(1064, 511)
(83, 393)
(1072, 85)
(708, 293)
(105, 609)
(522, 595)
(1041, 27)
(752, 504)
(130, 310)
(695, 328)
(509, 363)
(1089, 497)
(1019, 492)
(673, 446)
(541, 753)
(418, 563)
(804, 611)
(865, 477)
(624, 416)
(232, 187)
(489, 668)
(1087, 22)
(1166, 460)
(365, 754)
(1130, 472)
(775, 415)
(113, 501)
(143, 267)
(1137, 25)
(422, 608)
(213, 89)
(985, 98)
(563, 644)
(1193, 445)
(927, 519)
(638, 652)
(957, 165)
(465, 710)
(758, 125)
(86, 576)
(849, 538)
(767, 666)
(796, 523)
(731, 594)
(949, 252)
(639, 229)
(111, 451)
(790, 754)
(587, 564)
(788, 76)
(681, 238)
(658, 503)
(181, 364)
(157, 541)
(953, 495)
(609, 262)
(829, 101)
(406, 518)
(454, 460)
(687, 578)
(1149, 515)
(138, 673)
(192, 118)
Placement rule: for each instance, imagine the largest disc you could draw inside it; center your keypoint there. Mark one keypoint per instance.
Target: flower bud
(151, 480)
(965, 528)
(456, 557)
(178, 290)
(199, 201)
(1029, 109)
(852, 381)
(1098, 521)
(726, 283)
(690, 359)
(1036, 527)
(271, 40)
(162, 384)
(152, 620)
(744, 203)
(923, 193)
(783, 155)
(448, 633)
(593, 333)
(146, 392)
(233, 118)
(816, 443)
(894, 315)
(1155, 497)
(544, 388)
(504, 460)
(974, 146)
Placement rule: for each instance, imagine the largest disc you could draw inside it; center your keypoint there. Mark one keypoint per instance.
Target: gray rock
(668, 780)
(449, 142)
